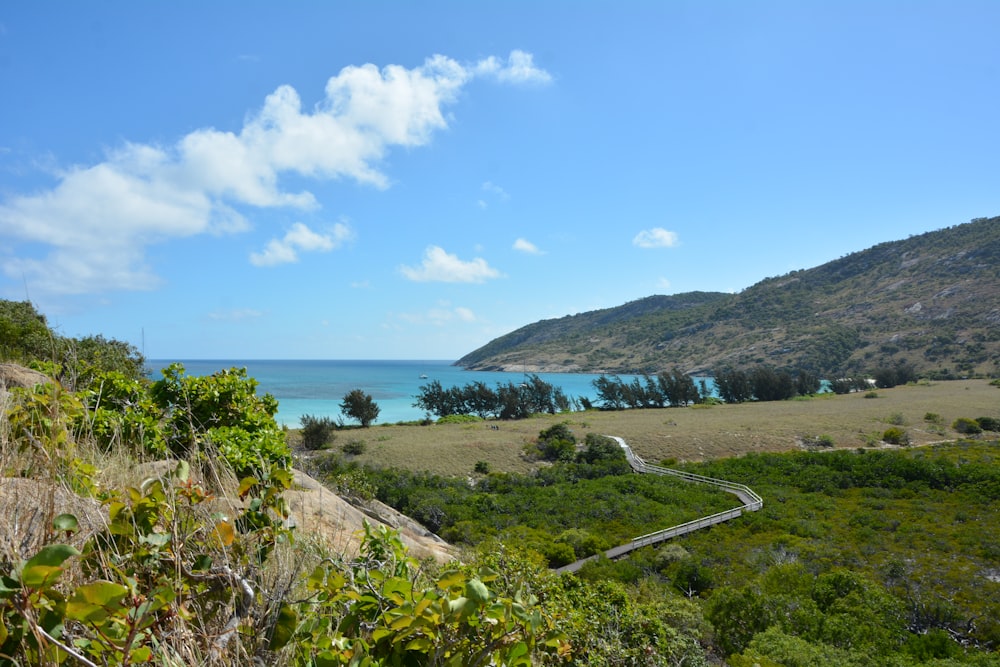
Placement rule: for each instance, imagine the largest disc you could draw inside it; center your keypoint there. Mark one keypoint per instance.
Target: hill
(931, 301)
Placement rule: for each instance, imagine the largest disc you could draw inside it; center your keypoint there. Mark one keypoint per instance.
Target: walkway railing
(750, 502)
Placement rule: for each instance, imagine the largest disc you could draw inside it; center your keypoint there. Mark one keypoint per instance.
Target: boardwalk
(749, 502)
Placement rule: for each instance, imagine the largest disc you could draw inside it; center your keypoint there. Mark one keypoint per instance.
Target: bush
(988, 423)
(459, 419)
(316, 432)
(932, 418)
(896, 436)
(818, 441)
(222, 409)
(482, 468)
(354, 447)
(966, 426)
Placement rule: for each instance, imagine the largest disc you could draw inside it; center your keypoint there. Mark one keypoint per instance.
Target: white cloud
(94, 225)
(657, 237)
(526, 246)
(663, 284)
(300, 238)
(439, 266)
(489, 186)
(519, 67)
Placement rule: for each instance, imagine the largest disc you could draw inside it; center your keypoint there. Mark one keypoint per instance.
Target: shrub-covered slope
(932, 301)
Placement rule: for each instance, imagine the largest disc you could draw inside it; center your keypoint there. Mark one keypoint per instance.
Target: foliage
(863, 557)
(556, 443)
(989, 423)
(507, 401)
(161, 568)
(316, 432)
(459, 419)
(354, 447)
(733, 385)
(847, 385)
(966, 426)
(887, 377)
(603, 499)
(895, 436)
(674, 388)
(220, 413)
(360, 406)
(377, 609)
(26, 337)
(123, 411)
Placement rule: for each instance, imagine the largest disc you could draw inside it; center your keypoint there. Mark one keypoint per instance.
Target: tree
(359, 405)
(316, 431)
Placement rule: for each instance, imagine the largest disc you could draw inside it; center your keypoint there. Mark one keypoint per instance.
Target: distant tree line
(675, 388)
(764, 384)
(506, 401)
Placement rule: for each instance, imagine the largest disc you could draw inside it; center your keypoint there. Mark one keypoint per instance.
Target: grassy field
(692, 433)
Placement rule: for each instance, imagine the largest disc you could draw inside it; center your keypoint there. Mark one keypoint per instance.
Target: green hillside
(932, 301)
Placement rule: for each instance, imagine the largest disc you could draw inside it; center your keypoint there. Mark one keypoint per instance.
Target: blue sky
(387, 180)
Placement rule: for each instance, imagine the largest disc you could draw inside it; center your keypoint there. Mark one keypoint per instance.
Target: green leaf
(451, 580)
(142, 654)
(477, 590)
(96, 601)
(65, 522)
(284, 628)
(246, 484)
(42, 569)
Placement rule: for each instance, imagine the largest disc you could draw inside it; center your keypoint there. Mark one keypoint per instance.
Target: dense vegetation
(507, 401)
(565, 512)
(929, 301)
(26, 337)
(884, 557)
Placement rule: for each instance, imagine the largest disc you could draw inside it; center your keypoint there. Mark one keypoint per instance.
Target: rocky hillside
(931, 300)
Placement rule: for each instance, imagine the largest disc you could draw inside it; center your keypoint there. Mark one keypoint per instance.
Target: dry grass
(689, 433)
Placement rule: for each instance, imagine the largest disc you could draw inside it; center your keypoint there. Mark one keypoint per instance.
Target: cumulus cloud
(440, 266)
(89, 231)
(300, 238)
(526, 246)
(657, 237)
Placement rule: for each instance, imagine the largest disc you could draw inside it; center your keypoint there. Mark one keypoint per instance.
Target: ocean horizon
(317, 386)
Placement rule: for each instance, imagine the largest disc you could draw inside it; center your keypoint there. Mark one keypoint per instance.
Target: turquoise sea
(317, 387)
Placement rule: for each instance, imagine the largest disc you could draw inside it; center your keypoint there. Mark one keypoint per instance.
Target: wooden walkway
(749, 502)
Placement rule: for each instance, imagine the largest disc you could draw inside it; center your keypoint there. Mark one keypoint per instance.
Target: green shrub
(459, 419)
(871, 394)
(818, 441)
(224, 410)
(988, 423)
(932, 418)
(316, 432)
(896, 419)
(354, 447)
(896, 436)
(482, 468)
(966, 426)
